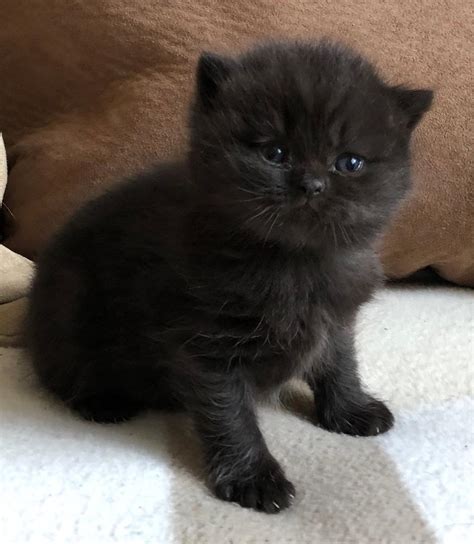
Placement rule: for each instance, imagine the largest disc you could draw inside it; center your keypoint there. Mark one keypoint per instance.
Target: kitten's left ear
(414, 103)
(212, 71)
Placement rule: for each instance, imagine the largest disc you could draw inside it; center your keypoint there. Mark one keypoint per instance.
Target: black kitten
(203, 284)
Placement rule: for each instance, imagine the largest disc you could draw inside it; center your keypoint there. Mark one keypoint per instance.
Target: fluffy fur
(203, 284)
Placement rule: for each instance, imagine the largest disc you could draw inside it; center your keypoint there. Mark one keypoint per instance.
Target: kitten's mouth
(304, 202)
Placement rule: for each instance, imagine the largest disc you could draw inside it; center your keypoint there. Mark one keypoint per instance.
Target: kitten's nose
(312, 186)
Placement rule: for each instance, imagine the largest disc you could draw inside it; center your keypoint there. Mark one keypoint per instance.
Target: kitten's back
(105, 270)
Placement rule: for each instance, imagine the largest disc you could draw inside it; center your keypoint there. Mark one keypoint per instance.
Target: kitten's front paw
(267, 490)
(370, 417)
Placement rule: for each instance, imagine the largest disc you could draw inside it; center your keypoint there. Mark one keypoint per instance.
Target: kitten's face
(303, 144)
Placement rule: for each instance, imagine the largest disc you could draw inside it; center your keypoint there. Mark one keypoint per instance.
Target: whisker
(252, 199)
(334, 235)
(249, 192)
(256, 216)
(277, 215)
(8, 210)
(345, 234)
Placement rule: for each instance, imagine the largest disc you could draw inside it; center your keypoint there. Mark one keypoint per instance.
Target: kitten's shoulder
(162, 184)
(158, 192)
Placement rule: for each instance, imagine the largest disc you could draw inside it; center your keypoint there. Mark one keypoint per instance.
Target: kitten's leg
(341, 404)
(241, 469)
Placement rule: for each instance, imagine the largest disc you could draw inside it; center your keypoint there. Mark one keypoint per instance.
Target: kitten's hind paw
(106, 408)
(267, 490)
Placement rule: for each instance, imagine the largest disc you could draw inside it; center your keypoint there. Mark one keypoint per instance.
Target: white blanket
(63, 480)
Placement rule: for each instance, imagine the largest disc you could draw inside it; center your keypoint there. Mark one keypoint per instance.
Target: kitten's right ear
(212, 71)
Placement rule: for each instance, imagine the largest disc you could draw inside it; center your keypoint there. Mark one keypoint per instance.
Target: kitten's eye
(349, 164)
(276, 154)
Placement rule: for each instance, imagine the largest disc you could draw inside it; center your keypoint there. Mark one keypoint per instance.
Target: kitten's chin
(294, 228)
(314, 205)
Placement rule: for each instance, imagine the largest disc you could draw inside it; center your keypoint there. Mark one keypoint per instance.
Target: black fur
(205, 283)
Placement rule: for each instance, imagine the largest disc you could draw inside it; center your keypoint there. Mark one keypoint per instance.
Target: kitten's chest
(296, 324)
(272, 313)
(288, 344)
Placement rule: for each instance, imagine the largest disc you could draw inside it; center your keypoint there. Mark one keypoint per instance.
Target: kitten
(203, 284)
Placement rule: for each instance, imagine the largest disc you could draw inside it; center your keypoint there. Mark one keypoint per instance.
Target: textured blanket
(63, 480)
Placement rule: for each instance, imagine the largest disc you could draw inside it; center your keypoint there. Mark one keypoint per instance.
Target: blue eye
(349, 164)
(276, 154)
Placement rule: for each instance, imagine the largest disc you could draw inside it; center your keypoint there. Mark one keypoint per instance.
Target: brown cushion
(92, 91)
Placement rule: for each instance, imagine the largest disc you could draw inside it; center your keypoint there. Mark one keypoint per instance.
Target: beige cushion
(15, 276)
(3, 168)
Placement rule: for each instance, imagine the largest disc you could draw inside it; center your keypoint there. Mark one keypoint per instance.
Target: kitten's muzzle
(311, 186)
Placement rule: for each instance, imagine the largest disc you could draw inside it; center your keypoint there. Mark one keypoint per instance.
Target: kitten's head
(302, 144)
